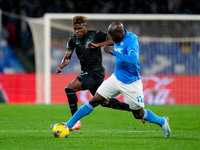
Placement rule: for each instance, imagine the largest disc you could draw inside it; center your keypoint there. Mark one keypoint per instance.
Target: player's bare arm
(109, 50)
(65, 61)
(94, 45)
(91, 45)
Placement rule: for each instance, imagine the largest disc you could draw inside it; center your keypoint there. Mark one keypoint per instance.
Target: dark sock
(116, 104)
(72, 100)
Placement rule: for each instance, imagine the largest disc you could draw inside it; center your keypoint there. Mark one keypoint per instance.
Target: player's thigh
(109, 88)
(133, 93)
(74, 85)
(88, 81)
(93, 90)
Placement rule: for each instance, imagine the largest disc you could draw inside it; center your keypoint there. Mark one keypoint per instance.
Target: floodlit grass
(26, 127)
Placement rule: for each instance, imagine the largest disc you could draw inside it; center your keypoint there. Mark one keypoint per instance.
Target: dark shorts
(91, 80)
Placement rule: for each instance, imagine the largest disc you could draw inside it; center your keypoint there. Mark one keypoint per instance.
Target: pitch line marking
(96, 131)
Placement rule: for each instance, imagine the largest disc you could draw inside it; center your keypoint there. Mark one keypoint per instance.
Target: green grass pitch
(26, 127)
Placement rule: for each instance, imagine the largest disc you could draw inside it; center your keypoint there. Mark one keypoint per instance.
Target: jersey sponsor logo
(118, 49)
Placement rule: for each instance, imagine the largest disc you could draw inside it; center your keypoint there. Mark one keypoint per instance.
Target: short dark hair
(79, 19)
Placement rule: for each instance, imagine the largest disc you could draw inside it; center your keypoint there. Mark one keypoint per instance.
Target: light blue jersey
(127, 59)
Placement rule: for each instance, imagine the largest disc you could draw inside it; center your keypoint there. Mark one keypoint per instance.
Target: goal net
(169, 50)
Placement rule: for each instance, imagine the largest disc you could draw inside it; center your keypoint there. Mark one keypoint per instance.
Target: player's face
(80, 30)
(116, 36)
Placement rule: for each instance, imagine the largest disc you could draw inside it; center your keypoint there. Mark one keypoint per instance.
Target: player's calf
(138, 114)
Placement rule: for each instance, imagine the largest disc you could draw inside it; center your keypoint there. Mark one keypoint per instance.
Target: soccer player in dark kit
(87, 45)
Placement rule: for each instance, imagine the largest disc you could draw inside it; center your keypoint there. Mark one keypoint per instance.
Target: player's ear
(85, 24)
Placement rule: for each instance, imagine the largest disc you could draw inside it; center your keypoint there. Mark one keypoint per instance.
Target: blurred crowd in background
(36, 8)
(18, 34)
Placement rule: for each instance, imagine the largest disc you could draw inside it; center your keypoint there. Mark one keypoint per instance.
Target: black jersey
(90, 59)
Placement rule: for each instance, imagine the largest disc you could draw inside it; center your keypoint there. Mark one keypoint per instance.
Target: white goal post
(42, 33)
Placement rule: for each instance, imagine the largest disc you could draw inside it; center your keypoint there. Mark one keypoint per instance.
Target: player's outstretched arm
(91, 45)
(65, 61)
(108, 42)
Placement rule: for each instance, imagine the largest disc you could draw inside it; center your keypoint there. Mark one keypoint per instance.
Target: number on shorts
(140, 99)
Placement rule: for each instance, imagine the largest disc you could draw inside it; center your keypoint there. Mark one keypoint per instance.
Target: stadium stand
(154, 59)
(9, 63)
(37, 8)
(180, 59)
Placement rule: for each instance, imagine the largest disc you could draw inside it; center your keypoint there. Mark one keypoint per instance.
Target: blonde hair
(79, 19)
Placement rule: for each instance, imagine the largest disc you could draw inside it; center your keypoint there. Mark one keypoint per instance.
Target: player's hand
(64, 63)
(59, 70)
(91, 45)
(107, 49)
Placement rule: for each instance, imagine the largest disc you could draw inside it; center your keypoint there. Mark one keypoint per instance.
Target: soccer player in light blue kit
(125, 80)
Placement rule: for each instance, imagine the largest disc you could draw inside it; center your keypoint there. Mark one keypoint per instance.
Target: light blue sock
(81, 112)
(151, 117)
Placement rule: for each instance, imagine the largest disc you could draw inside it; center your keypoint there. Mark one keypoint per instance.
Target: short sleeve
(101, 36)
(70, 44)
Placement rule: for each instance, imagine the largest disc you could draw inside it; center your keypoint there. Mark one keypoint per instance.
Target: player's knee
(69, 91)
(96, 100)
(105, 103)
(138, 114)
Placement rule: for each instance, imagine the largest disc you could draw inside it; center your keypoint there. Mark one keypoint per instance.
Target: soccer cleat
(165, 127)
(77, 126)
(143, 121)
